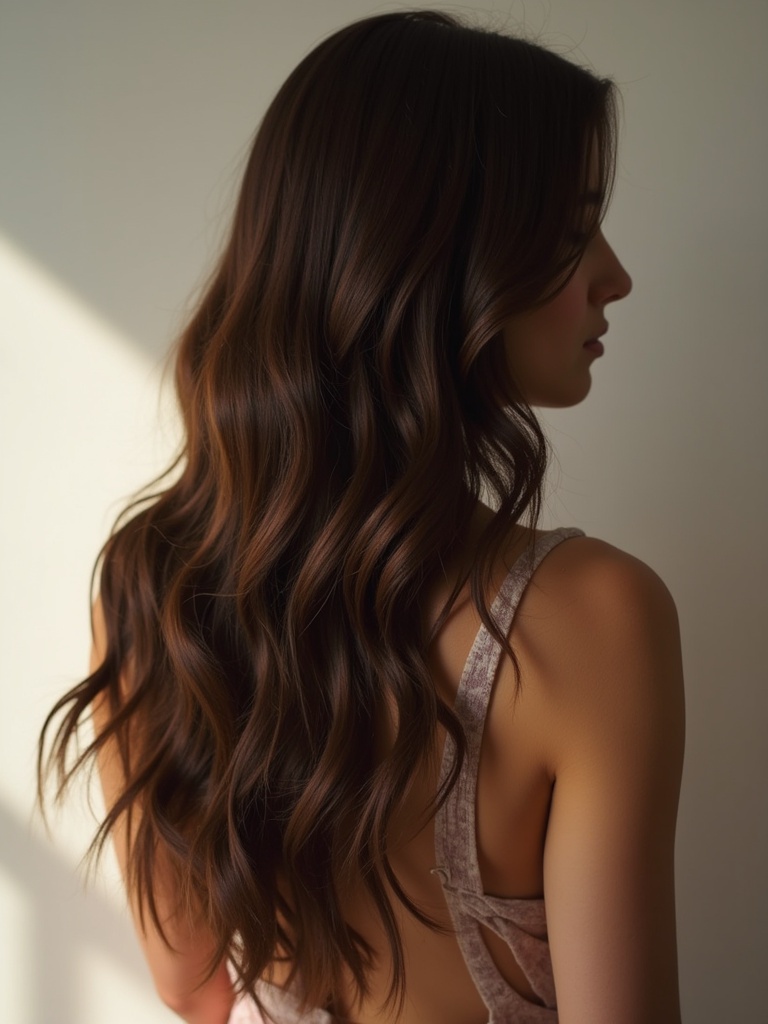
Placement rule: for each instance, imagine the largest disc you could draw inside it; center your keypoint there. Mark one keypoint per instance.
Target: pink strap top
(520, 922)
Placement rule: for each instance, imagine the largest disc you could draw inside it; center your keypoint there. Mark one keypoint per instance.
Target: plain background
(124, 129)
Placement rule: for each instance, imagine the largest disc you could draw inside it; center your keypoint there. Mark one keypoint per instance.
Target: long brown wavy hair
(345, 397)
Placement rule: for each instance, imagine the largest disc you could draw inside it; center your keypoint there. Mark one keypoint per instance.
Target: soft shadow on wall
(58, 932)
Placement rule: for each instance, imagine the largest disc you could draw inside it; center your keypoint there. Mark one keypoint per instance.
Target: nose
(612, 280)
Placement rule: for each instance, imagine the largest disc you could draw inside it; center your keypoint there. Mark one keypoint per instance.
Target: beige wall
(124, 127)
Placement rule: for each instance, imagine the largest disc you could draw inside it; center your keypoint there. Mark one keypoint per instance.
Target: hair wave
(345, 398)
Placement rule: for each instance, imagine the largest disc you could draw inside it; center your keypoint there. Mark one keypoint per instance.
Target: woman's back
(525, 743)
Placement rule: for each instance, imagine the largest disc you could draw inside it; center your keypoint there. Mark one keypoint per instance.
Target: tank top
(521, 923)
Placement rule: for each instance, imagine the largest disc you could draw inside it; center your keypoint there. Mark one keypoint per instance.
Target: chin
(562, 399)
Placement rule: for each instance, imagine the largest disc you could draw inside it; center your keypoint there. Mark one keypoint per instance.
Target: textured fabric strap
(455, 821)
(521, 923)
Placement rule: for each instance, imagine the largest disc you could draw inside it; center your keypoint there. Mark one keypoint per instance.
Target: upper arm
(176, 972)
(609, 854)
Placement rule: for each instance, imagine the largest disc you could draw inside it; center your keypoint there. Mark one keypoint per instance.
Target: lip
(594, 344)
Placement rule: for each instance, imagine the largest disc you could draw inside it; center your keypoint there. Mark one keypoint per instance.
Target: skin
(545, 347)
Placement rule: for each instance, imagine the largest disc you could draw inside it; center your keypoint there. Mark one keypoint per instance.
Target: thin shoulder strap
(455, 835)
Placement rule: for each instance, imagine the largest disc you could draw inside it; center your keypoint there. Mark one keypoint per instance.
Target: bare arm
(175, 973)
(620, 733)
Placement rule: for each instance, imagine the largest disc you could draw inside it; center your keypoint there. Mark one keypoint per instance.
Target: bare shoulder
(599, 633)
(590, 597)
(594, 571)
(597, 636)
(98, 632)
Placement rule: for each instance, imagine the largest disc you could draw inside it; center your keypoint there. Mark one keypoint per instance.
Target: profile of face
(550, 350)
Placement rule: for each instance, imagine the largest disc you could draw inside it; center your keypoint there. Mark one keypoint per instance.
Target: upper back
(549, 759)
(577, 782)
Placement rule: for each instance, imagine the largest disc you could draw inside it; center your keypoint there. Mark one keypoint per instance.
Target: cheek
(545, 350)
(565, 313)
(551, 339)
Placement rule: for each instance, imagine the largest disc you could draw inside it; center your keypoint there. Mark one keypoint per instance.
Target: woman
(347, 746)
